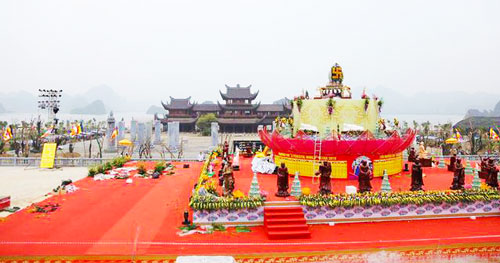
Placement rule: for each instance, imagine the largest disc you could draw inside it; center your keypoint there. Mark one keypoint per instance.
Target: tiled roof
(206, 107)
(270, 107)
(178, 104)
(238, 93)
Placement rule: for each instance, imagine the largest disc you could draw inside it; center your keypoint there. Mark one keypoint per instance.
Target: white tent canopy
(352, 127)
(309, 127)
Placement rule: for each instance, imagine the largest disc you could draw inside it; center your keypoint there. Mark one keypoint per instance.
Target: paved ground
(28, 185)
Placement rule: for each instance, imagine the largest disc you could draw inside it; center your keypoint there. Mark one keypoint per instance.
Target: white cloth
(263, 165)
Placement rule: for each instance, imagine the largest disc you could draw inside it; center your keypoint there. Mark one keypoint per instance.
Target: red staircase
(285, 222)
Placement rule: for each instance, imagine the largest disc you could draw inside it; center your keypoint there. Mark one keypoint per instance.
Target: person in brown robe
(228, 179)
(225, 150)
(451, 166)
(282, 181)
(458, 176)
(325, 184)
(364, 177)
(492, 174)
(412, 155)
(484, 172)
(416, 177)
(221, 173)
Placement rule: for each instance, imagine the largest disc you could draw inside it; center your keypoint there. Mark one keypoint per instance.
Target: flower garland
(299, 103)
(380, 104)
(331, 105)
(399, 198)
(232, 203)
(367, 102)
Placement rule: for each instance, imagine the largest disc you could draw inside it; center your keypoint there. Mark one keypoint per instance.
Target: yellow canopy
(125, 142)
(451, 141)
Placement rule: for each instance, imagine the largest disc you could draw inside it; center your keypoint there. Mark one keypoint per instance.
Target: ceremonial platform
(114, 221)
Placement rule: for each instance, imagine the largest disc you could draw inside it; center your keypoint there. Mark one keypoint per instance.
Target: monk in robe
(422, 153)
(225, 150)
(492, 174)
(325, 184)
(453, 160)
(458, 176)
(221, 173)
(412, 156)
(484, 172)
(228, 179)
(364, 177)
(416, 177)
(282, 181)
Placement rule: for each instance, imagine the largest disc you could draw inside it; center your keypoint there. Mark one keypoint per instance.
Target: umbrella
(125, 142)
(451, 141)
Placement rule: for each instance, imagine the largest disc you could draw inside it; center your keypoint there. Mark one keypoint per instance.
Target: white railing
(73, 162)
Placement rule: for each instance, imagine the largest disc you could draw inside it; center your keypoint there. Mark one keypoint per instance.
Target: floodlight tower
(49, 99)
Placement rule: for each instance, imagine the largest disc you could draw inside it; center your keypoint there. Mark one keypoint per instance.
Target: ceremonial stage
(114, 221)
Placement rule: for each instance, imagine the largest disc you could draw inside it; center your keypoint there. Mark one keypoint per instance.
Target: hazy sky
(156, 49)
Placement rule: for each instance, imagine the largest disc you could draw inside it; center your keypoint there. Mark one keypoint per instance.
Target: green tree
(203, 123)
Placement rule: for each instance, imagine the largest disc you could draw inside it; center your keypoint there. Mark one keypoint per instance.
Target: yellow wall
(305, 167)
(392, 163)
(315, 112)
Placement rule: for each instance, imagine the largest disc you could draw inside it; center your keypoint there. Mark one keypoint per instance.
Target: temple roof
(271, 107)
(238, 93)
(239, 120)
(178, 104)
(238, 106)
(180, 120)
(206, 107)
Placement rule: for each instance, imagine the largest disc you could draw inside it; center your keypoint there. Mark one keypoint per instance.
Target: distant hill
(95, 107)
(485, 113)
(156, 109)
(434, 103)
(282, 101)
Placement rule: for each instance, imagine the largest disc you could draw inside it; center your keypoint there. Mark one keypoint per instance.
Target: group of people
(489, 172)
(325, 185)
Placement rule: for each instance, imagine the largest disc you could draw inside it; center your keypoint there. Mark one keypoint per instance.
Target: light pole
(49, 99)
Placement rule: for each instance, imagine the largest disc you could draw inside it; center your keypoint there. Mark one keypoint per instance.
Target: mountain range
(394, 102)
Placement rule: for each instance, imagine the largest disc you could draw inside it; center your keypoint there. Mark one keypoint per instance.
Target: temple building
(237, 114)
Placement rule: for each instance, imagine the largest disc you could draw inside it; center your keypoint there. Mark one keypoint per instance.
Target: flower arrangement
(160, 166)
(393, 198)
(331, 105)
(238, 194)
(115, 163)
(213, 202)
(141, 168)
(380, 103)
(300, 102)
(231, 203)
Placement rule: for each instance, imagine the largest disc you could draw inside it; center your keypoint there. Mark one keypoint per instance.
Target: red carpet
(113, 218)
